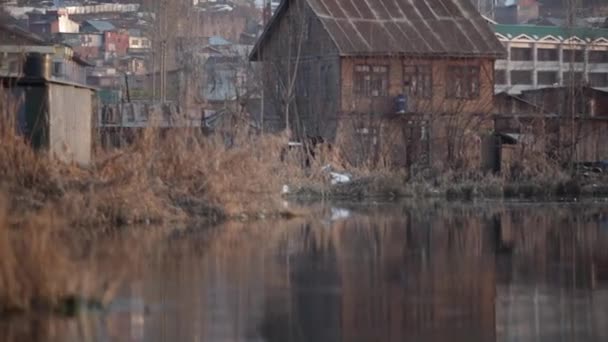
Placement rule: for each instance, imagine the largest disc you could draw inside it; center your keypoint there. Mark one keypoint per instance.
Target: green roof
(555, 31)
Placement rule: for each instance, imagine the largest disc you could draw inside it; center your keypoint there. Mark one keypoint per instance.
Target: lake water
(440, 271)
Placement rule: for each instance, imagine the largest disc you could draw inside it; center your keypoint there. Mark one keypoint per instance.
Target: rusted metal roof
(402, 27)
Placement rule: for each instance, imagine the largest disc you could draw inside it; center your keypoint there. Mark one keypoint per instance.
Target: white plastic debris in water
(337, 177)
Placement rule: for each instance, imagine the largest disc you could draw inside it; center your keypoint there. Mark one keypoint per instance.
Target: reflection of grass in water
(45, 267)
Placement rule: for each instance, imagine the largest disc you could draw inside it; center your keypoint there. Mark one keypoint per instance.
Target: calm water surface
(427, 272)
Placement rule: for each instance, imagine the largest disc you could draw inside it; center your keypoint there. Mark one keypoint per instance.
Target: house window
(371, 80)
(577, 56)
(521, 77)
(418, 80)
(548, 55)
(547, 77)
(500, 77)
(598, 56)
(135, 42)
(521, 54)
(463, 82)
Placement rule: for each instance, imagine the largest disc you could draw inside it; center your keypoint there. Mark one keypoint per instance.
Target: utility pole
(570, 20)
(266, 14)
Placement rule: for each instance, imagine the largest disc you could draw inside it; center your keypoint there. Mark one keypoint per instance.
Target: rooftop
(539, 32)
(100, 25)
(430, 27)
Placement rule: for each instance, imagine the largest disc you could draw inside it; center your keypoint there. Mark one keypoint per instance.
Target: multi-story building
(545, 56)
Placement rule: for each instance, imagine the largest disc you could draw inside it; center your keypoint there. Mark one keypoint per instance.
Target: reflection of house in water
(429, 275)
(455, 272)
(390, 279)
(555, 285)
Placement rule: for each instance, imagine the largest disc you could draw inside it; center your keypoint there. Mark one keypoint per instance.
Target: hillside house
(51, 21)
(327, 61)
(16, 43)
(88, 45)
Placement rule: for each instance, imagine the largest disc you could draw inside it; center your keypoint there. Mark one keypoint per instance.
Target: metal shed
(55, 116)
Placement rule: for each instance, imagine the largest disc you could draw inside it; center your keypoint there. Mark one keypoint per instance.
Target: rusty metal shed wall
(70, 111)
(451, 28)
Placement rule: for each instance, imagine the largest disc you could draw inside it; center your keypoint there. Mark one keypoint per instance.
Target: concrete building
(546, 56)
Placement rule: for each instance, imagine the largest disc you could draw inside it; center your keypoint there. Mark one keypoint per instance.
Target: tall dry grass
(163, 176)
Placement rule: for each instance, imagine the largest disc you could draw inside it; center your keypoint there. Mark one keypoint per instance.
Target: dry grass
(161, 177)
(166, 176)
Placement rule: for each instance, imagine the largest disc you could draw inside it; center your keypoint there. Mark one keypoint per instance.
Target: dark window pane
(547, 54)
(573, 77)
(521, 54)
(500, 77)
(598, 56)
(577, 56)
(547, 77)
(521, 77)
(598, 79)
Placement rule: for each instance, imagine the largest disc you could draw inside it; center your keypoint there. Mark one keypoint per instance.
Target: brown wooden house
(327, 61)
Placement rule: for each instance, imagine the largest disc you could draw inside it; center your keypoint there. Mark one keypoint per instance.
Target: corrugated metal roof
(101, 25)
(404, 27)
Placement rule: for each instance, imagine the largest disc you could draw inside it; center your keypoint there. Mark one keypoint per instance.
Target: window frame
(463, 81)
(371, 80)
(419, 80)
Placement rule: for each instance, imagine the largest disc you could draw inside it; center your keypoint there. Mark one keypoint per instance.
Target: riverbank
(394, 187)
(168, 179)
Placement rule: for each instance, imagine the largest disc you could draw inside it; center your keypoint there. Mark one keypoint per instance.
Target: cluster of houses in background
(431, 80)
